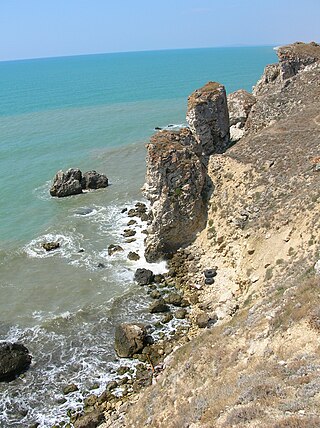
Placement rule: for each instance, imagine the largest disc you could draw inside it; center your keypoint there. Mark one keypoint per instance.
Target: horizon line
(136, 51)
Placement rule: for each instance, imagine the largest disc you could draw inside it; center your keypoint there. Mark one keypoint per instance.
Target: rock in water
(73, 182)
(143, 276)
(113, 248)
(175, 186)
(94, 180)
(208, 118)
(129, 339)
(50, 246)
(14, 359)
(67, 183)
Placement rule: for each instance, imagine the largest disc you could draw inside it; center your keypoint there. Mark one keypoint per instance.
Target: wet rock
(124, 210)
(111, 385)
(158, 278)
(101, 265)
(208, 118)
(173, 299)
(128, 232)
(143, 276)
(181, 313)
(90, 420)
(113, 248)
(132, 213)
(130, 240)
(129, 339)
(133, 256)
(123, 370)
(94, 180)
(155, 294)
(66, 183)
(131, 222)
(158, 306)
(14, 360)
(90, 400)
(70, 388)
(50, 246)
(144, 217)
(167, 318)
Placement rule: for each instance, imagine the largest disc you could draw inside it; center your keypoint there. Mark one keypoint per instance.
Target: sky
(44, 28)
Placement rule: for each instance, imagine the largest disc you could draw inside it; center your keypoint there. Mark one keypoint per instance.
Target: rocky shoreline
(239, 227)
(216, 269)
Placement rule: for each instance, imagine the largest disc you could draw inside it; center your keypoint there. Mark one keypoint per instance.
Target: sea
(93, 112)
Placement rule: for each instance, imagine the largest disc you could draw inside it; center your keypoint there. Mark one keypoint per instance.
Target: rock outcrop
(73, 182)
(239, 105)
(208, 118)
(129, 339)
(175, 186)
(14, 360)
(278, 95)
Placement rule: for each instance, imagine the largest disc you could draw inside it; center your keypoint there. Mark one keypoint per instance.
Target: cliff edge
(251, 212)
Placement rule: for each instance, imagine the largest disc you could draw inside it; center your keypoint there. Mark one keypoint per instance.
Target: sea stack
(208, 118)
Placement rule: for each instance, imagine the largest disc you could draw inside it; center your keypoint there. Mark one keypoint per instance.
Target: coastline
(248, 243)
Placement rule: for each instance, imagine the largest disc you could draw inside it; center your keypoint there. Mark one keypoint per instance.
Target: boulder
(94, 180)
(113, 248)
(208, 118)
(90, 420)
(158, 306)
(133, 256)
(129, 339)
(73, 182)
(14, 360)
(70, 388)
(50, 246)
(174, 299)
(67, 183)
(143, 276)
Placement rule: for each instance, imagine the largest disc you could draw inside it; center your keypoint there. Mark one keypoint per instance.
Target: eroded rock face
(73, 182)
(295, 57)
(292, 59)
(14, 359)
(283, 88)
(175, 184)
(208, 118)
(239, 106)
(129, 339)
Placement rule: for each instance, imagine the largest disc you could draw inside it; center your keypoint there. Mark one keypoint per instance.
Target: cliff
(250, 212)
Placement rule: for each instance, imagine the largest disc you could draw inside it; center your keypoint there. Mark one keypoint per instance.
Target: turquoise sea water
(92, 112)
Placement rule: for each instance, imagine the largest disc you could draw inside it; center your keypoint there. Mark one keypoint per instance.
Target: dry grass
(298, 422)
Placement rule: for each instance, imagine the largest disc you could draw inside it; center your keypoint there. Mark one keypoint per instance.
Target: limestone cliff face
(175, 185)
(208, 118)
(239, 105)
(177, 182)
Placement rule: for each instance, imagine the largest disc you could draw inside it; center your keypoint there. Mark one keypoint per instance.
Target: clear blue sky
(42, 28)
